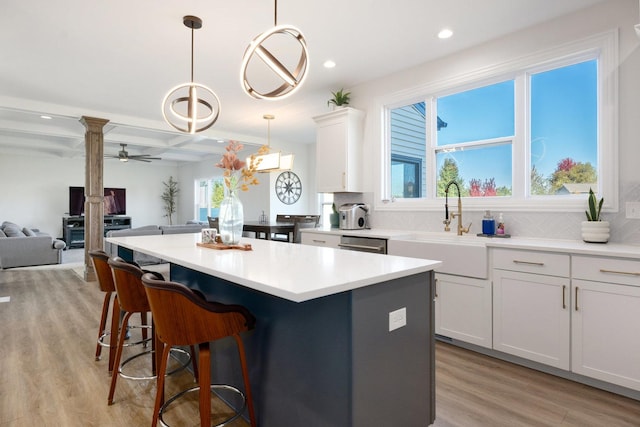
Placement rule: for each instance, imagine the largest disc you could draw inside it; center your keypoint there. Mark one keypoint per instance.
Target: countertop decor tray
(501, 236)
(223, 246)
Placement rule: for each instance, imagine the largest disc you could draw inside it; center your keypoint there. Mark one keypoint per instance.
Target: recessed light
(329, 64)
(445, 33)
(46, 117)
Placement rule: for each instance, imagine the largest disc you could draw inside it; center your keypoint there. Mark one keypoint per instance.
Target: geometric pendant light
(270, 65)
(191, 107)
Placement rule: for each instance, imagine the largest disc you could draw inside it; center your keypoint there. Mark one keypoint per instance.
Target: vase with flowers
(238, 176)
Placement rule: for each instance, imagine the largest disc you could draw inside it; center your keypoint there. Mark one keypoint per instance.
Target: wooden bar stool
(101, 266)
(133, 299)
(183, 317)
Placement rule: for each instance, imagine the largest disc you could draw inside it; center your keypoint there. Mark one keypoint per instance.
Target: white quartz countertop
(291, 271)
(577, 247)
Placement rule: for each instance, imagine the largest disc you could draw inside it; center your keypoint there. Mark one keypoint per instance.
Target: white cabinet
(606, 319)
(463, 309)
(339, 151)
(320, 239)
(531, 307)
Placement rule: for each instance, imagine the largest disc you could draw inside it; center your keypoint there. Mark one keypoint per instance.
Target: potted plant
(594, 230)
(334, 218)
(169, 195)
(340, 98)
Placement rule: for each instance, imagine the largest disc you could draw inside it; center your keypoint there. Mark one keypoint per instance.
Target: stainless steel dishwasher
(363, 244)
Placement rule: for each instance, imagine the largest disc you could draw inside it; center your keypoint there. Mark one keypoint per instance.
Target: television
(115, 201)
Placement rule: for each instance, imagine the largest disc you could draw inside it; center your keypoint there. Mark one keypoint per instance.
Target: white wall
(622, 14)
(36, 189)
(261, 197)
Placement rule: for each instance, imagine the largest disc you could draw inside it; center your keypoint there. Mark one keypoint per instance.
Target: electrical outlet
(397, 319)
(633, 210)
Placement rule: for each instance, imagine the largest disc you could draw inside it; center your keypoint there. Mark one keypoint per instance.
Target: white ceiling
(117, 59)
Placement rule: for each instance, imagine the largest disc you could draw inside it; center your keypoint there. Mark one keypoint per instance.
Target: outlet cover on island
(397, 319)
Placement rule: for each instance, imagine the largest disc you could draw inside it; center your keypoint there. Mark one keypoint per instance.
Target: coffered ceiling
(117, 59)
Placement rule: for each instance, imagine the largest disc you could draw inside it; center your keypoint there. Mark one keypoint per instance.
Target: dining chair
(214, 222)
(303, 222)
(183, 317)
(282, 237)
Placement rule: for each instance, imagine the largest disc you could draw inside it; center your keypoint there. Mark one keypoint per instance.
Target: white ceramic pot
(595, 231)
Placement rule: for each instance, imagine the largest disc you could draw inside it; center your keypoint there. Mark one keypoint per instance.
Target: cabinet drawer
(550, 264)
(320, 239)
(608, 270)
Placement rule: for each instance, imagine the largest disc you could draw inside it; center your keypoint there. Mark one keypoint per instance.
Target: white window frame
(603, 46)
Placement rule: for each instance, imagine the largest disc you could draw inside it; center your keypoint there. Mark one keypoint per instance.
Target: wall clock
(288, 187)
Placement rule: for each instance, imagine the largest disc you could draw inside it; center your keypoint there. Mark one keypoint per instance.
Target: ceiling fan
(124, 156)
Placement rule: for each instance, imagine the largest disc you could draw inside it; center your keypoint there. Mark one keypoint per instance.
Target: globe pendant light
(291, 80)
(191, 107)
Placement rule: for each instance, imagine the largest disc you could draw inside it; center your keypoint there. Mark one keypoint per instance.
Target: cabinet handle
(626, 273)
(436, 286)
(344, 180)
(576, 298)
(564, 300)
(537, 264)
(319, 241)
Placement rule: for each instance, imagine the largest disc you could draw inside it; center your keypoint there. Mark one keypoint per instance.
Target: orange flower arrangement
(232, 165)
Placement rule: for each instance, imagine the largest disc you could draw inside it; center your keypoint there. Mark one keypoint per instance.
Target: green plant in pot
(340, 98)
(334, 218)
(594, 230)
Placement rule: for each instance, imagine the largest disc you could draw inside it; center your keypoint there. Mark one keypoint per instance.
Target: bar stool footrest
(182, 366)
(127, 344)
(237, 412)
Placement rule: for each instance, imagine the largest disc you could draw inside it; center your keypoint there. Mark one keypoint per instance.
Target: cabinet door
(606, 332)
(463, 309)
(531, 316)
(339, 151)
(331, 157)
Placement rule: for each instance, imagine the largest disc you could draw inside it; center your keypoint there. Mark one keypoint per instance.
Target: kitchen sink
(464, 255)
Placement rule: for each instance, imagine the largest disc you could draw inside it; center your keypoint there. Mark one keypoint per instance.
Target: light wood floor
(48, 375)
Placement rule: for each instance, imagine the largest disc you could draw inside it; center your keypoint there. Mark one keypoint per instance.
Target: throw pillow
(13, 231)
(28, 232)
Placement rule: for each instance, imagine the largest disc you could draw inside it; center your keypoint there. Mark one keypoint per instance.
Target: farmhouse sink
(464, 255)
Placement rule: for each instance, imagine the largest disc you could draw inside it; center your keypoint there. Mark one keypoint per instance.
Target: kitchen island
(329, 347)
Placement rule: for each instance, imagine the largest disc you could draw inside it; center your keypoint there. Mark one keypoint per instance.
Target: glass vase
(231, 219)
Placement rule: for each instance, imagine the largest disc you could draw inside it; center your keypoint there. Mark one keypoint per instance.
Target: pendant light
(291, 80)
(272, 162)
(191, 107)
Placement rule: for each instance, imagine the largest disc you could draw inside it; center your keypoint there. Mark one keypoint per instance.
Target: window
(209, 194)
(539, 134)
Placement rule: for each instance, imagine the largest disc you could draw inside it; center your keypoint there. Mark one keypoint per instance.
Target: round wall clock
(288, 187)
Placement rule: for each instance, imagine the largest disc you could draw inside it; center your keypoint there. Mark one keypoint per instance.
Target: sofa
(151, 230)
(22, 247)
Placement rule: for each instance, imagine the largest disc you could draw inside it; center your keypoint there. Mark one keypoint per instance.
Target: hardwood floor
(48, 372)
(48, 375)
(477, 390)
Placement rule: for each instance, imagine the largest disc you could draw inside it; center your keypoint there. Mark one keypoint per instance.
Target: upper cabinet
(339, 151)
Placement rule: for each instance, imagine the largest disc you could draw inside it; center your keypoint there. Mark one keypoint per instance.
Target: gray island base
(332, 361)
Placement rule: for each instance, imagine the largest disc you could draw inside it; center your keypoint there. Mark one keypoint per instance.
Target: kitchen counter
(338, 333)
(295, 272)
(526, 243)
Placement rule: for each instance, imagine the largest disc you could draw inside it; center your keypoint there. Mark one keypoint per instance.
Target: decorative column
(93, 191)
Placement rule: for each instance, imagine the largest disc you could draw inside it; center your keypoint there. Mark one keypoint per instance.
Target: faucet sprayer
(458, 214)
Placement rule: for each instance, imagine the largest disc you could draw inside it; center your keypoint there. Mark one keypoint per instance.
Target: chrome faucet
(458, 214)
